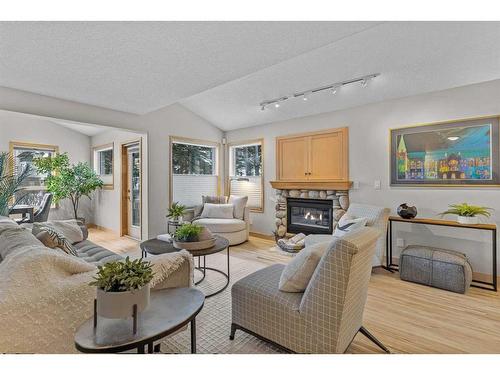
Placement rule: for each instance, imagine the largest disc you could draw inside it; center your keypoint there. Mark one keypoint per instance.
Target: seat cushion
(95, 254)
(222, 225)
(297, 273)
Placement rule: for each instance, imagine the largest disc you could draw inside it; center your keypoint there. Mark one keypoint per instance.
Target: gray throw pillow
(297, 274)
(239, 202)
(51, 238)
(218, 211)
(70, 229)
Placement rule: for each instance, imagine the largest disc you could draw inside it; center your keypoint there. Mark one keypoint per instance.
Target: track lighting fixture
(306, 95)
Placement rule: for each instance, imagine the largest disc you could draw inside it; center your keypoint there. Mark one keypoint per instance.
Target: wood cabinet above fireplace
(313, 159)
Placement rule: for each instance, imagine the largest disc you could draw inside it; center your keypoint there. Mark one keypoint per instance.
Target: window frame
(194, 142)
(230, 168)
(31, 145)
(95, 162)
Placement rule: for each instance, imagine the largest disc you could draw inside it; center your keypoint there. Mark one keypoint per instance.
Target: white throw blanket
(45, 297)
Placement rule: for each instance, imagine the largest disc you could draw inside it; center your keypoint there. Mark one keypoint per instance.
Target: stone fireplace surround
(340, 199)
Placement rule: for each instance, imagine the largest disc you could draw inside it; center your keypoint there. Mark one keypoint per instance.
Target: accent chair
(324, 318)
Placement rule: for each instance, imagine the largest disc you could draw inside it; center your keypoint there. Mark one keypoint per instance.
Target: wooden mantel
(312, 185)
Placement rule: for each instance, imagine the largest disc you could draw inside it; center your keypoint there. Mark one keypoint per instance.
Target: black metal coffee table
(156, 247)
(169, 310)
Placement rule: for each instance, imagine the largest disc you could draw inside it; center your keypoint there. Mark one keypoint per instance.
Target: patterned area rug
(213, 323)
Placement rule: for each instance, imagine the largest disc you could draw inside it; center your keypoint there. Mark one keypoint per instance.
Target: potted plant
(68, 181)
(193, 237)
(467, 214)
(176, 212)
(10, 183)
(121, 285)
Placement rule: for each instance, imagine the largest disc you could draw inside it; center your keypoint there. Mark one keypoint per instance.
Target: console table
(446, 223)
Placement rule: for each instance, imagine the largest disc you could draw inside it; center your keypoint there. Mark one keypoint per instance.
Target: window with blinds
(194, 172)
(245, 172)
(34, 186)
(103, 164)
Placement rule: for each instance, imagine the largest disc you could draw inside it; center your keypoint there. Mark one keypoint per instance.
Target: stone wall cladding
(340, 202)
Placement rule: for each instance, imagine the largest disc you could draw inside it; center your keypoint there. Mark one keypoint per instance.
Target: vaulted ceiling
(222, 70)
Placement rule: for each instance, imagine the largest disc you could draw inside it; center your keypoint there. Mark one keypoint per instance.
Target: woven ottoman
(440, 268)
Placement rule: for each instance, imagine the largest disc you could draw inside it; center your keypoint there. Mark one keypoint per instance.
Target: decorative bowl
(407, 212)
(198, 245)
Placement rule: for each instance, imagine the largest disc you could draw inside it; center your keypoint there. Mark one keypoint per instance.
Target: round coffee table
(169, 310)
(156, 247)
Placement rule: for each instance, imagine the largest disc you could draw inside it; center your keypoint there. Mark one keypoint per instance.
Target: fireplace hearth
(309, 216)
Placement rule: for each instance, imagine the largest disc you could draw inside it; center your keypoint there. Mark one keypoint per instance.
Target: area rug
(213, 323)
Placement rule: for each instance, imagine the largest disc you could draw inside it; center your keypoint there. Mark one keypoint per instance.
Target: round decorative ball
(407, 212)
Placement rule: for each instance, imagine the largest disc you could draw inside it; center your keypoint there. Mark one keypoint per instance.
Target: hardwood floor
(406, 317)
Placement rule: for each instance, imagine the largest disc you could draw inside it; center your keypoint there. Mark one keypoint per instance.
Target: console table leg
(494, 244)
(193, 336)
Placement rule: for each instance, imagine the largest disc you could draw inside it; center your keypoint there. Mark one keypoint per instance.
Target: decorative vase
(468, 219)
(120, 305)
(194, 245)
(407, 212)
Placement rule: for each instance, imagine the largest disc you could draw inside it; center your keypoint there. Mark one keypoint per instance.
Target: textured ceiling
(412, 57)
(139, 67)
(222, 70)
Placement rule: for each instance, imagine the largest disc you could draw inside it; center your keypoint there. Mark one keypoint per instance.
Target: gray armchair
(41, 214)
(326, 316)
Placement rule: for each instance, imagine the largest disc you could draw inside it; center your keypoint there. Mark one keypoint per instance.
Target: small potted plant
(121, 285)
(176, 212)
(193, 237)
(467, 214)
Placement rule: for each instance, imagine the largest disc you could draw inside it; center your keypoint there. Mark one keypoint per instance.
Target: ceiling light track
(305, 95)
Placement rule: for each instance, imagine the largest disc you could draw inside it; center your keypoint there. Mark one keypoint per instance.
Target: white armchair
(236, 231)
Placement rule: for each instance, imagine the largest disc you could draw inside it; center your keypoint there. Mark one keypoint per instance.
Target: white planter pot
(468, 219)
(120, 305)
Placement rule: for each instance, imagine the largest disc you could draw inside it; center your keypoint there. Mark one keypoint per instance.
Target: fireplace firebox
(309, 216)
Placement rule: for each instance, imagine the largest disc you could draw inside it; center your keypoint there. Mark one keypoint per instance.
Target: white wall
(106, 203)
(369, 161)
(159, 125)
(23, 128)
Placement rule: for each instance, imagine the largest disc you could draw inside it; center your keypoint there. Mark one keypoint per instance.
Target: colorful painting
(452, 153)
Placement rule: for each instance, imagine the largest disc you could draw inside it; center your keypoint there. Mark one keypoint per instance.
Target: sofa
(377, 218)
(325, 317)
(236, 231)
(45, 294)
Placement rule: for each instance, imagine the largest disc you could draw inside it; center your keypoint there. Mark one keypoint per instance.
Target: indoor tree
(68, 181)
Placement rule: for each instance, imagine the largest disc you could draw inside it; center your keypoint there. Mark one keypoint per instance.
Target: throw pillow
(53, 239)
(218, 199)
(239, 202)
(349, 224)
(296, 275)
(218, 211)
(68, 228)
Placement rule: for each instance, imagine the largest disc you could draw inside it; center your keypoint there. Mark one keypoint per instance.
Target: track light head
(334, 90)
(364, 82)
(277, 105)
(262, 107)
(305, 96)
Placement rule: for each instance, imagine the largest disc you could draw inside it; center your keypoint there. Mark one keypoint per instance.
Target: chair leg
(373, 339)
(233, 331)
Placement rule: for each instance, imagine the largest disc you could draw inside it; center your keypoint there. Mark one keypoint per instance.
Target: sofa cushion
(218, 211)
(52, 238)
(222, 225)
(239, 203)
(68, 228)
(95, 254)
(297, 273)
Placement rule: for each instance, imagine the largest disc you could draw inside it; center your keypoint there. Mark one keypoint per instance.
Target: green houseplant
(467, 214)
(10, 183)
(193, 237)
(188, 232)
(68, 181)
(176, 211)
(121, 285)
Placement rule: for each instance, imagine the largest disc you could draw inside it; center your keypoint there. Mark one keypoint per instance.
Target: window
(34, 185)
(194, 171)
(103, 164)
(246, 172)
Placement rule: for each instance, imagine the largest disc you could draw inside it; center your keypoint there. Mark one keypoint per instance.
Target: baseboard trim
(99, 227)
(262, 235)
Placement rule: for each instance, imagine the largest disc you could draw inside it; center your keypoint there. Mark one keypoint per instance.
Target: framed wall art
(453, 153)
